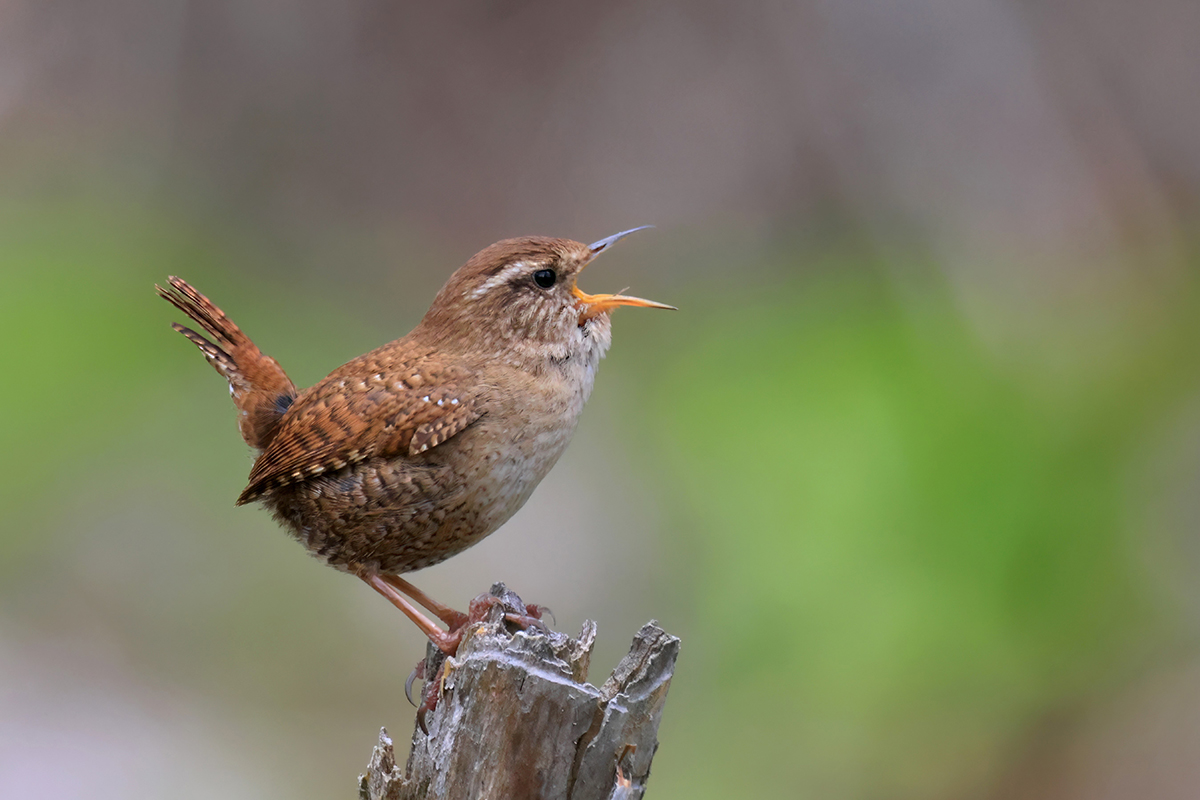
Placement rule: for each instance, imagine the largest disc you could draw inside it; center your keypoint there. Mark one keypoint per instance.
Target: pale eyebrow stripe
(500, 278)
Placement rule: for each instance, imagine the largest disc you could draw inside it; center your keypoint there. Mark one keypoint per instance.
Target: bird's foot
(519, 614)
(516, 613)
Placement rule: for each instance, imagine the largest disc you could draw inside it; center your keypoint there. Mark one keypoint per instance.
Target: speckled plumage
(415, 451)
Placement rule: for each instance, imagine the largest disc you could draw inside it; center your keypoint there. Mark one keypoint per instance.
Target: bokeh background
(914, 472)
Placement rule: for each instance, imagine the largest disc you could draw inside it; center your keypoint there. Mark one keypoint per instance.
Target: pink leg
(453, 619)
(446, 641)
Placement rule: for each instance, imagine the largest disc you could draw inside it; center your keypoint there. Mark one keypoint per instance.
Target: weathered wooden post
(517, 719)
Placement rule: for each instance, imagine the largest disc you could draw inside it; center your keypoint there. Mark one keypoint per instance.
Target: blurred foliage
(903, 545)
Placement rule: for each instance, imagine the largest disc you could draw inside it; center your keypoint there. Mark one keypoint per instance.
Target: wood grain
(517, 719)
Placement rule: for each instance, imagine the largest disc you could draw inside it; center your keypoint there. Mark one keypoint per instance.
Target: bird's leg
(446, 641)
(453, 619)
(456, 620)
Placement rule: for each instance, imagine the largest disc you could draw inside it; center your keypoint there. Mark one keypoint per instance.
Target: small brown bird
(415, 451)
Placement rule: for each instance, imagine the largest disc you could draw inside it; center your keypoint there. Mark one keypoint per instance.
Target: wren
(417, 450)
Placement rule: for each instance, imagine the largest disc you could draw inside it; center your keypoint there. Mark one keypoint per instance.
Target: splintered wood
(517, 719)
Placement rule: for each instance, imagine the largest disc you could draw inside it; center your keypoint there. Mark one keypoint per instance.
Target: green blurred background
(913, 473)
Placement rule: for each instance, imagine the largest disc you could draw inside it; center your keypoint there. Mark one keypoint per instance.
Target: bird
(413, 452)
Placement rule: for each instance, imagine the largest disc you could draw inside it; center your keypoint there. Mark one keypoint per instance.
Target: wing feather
(370, 407)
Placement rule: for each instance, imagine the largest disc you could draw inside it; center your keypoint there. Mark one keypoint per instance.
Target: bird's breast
(519, 439)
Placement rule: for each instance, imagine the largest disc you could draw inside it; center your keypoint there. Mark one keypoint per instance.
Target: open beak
(593, 304)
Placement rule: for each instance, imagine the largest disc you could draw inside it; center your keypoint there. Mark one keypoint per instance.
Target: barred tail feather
(260, 388)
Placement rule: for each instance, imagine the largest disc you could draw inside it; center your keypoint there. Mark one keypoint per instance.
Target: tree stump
(518, 720)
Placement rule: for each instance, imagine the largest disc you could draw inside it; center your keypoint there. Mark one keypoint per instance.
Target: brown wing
(363, 410)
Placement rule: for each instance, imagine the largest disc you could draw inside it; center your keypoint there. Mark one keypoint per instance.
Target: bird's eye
(545, 278)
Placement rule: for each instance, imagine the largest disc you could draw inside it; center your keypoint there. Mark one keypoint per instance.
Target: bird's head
(520, 296)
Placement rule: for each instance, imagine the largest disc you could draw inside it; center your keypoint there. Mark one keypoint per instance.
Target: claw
(525, 622)
(421, 712)
(429, 700)
(432, 692)
(537, 612)
(418, 673)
